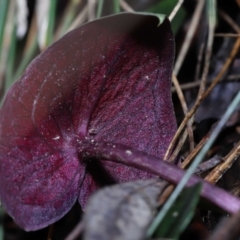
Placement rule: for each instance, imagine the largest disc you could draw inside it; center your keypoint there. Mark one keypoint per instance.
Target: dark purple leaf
(108, 80)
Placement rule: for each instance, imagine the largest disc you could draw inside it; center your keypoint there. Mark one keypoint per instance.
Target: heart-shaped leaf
(108, 80)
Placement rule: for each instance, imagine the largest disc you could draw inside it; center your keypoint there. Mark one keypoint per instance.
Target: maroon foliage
(108, 80)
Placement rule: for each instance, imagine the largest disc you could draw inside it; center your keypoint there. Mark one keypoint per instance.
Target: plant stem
(130, 157)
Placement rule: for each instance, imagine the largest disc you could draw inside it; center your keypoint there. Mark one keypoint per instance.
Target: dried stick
(199, 60)
(227, 35)
(75, 232)
(228, 161)
(82, 16)
(190, 85)
(218, 172)
(182, 54)
(185, 109)
(238, 3)
(229, 20)
(203, 96)
(67, 17)
(184, 164)
(50, 232)
(91, 10)
(211, 29)
(190, 157)
(125, 6)
(175, 10)
(179, 145)
(189, 36)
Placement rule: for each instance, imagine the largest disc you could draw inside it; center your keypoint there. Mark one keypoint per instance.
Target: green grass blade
(211, 12)
(116, 6)
(180, 214)
(99, 8)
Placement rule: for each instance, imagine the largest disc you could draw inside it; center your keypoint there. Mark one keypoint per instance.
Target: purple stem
(125, 155)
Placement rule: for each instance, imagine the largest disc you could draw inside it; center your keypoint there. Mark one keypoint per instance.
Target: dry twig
(189, 37)
(91, 10)
(82, 16)
(228, 160)
(76, 231)
(199, 60)
(229, 20)
(50, 232)
(190, 157)
(203, 96)
(218, 172)
(125, 6)
(227, 35)
(185, 109)
(190, 85)
(175, 10)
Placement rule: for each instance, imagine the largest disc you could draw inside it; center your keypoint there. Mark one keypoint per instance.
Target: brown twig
(185, 109)
(227, 35)
(91, 10)
(70, 10)
(204, 75)
(188, 39)
(82, 16)
(125, 6)
(175, 10)
(75, 232)
(207, 165)
(229, 20)
(228, 160)
(199, 60)
(190, 157)
(179, 146)
(190, 85)
(217, 172)
(203, 96)
(50, 232)
(211, 28)
(165, 194)
(238, 3)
